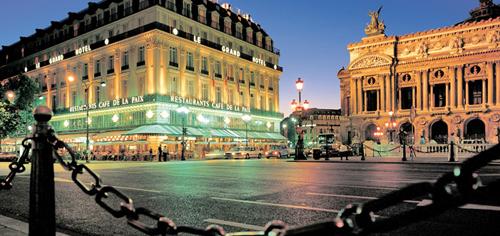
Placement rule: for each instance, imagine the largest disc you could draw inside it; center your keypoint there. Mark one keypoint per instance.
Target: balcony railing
(205, 72)
(85, 77)
(97, 74)
(141, 63)
(125, 67)
(174, 64)
(218, 76)
(111, 71)
(252, 84)
(230, 79)
(190, 68)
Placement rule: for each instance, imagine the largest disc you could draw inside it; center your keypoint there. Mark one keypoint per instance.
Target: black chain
(451, 190)
(16, 166)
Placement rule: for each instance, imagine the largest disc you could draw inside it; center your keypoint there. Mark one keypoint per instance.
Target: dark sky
(311, 34)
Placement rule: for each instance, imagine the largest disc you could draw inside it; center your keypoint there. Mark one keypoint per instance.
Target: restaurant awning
(152, 130)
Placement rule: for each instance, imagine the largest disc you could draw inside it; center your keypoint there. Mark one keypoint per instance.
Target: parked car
(215, 154)
(243, 152)
(277, 151)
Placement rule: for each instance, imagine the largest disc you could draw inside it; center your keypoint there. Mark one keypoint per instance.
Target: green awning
(150, 130)
(196, 132)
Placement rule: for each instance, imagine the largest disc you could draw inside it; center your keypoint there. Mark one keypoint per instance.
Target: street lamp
(299, 107)
(183, 111)
(86, 87)
(10, 95)
(391, 126)
(246, 118)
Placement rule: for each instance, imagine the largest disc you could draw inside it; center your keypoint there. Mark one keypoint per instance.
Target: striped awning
(153, 130)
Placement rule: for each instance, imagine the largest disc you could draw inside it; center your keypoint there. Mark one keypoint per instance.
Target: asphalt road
(244, 195)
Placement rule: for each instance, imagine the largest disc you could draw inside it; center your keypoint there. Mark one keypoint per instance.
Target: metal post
(87, 125)
(246, 134)
(42, 202)
(404, 151)
(362, 149)
(183, 143)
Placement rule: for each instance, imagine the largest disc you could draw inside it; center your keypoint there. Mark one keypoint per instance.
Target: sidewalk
(393, 160)
(13, 227)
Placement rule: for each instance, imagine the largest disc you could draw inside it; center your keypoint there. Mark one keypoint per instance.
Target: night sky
(312, 35)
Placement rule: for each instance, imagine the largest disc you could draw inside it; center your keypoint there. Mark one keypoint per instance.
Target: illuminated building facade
(433, 84)
(142, 60)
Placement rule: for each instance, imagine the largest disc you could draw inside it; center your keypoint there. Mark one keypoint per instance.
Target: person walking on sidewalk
(159, 153)
(151, 154)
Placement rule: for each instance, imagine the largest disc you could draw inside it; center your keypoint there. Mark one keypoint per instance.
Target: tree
(15, 112)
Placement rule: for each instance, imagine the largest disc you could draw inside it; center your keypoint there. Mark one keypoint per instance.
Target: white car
(277, 151)
(243, 152)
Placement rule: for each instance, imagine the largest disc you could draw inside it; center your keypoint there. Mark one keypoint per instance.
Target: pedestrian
(159, 153)
(166, 154)
(344, 152)
(151, 154)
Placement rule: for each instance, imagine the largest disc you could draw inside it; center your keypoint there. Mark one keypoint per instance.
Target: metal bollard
(452, 152)
(404, 152)
(362, 149)
(42, 202)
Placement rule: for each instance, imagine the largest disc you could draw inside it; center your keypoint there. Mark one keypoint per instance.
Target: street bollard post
(362, 150)
(404, 152)
(451, 158)
(42, 202)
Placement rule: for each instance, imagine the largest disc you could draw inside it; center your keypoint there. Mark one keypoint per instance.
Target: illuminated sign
(208, 104)
(258, 61)
(83, 50)
(196, 39)
(56, 59)
(231, 51)
(107, 104)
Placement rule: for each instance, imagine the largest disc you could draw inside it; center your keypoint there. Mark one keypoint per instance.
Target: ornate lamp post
(391, 126)
(183, 111)
(299, 107)
(246, 118)
(86, 87)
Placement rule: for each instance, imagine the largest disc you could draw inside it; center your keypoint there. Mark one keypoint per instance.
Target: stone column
(352, 94)
(483, 92)
(413, 102)
(453, 103)
(393, 94)
(432, 97)
(399, 99)
(360, 98)
(426, 92)
(466, 94)
(387, 93)
(489, 71)
(460, 81)
(381, 94)
(447, 95)
(497, 71)
(378, 100)
(419, 91)
(118, 72)
(365, 101)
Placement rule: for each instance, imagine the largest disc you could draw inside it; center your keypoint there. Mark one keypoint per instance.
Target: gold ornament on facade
(495, 117)
(406, 80)
(457, 119)
(493, 38)
(370, 61)
(439, 76)
(422, 50)
(376, 26)
(456, 45)
(475, 72)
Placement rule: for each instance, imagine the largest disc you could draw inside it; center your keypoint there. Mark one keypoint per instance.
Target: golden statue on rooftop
(376, 26)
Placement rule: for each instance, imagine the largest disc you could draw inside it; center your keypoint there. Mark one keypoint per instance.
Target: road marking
(235, 224)
(354, 197)
(276, 205)
(469, 206)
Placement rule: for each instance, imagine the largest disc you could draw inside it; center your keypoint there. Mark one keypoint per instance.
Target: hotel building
(132, 63)
(433, 84)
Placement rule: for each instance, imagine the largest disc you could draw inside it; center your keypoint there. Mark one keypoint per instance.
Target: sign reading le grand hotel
(435, 85)
(130, 66)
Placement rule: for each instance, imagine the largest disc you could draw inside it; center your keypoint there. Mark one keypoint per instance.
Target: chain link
(451, 190)
(16, 166)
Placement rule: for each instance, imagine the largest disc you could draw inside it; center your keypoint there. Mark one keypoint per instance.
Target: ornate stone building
(434, 84)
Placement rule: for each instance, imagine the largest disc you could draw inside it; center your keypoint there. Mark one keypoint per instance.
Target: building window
(371, 103)
(252, 79)
(190, 62)
(204, 65)
(262, 103)
(227, 26)
(97, 94)
(230, 96)
(249, 36)
(190, 87)
(125, 65)
(406, 98)
(252, 100)
(186, 9)
(202, 16)
(140, 57)
(439, 95)
(204, 91)
(475, 92)
(218, 94)
(230, 72)
(85, 72)
(171, 5)
(173, 57)
(239, 32)
(111, 65)
(73, 98)
(215, 21)
(271, 104)
(97, 68)
(173, 87)
(217, 69)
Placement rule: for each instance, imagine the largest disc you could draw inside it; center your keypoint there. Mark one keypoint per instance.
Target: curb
(389, 162)
(11, 226)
